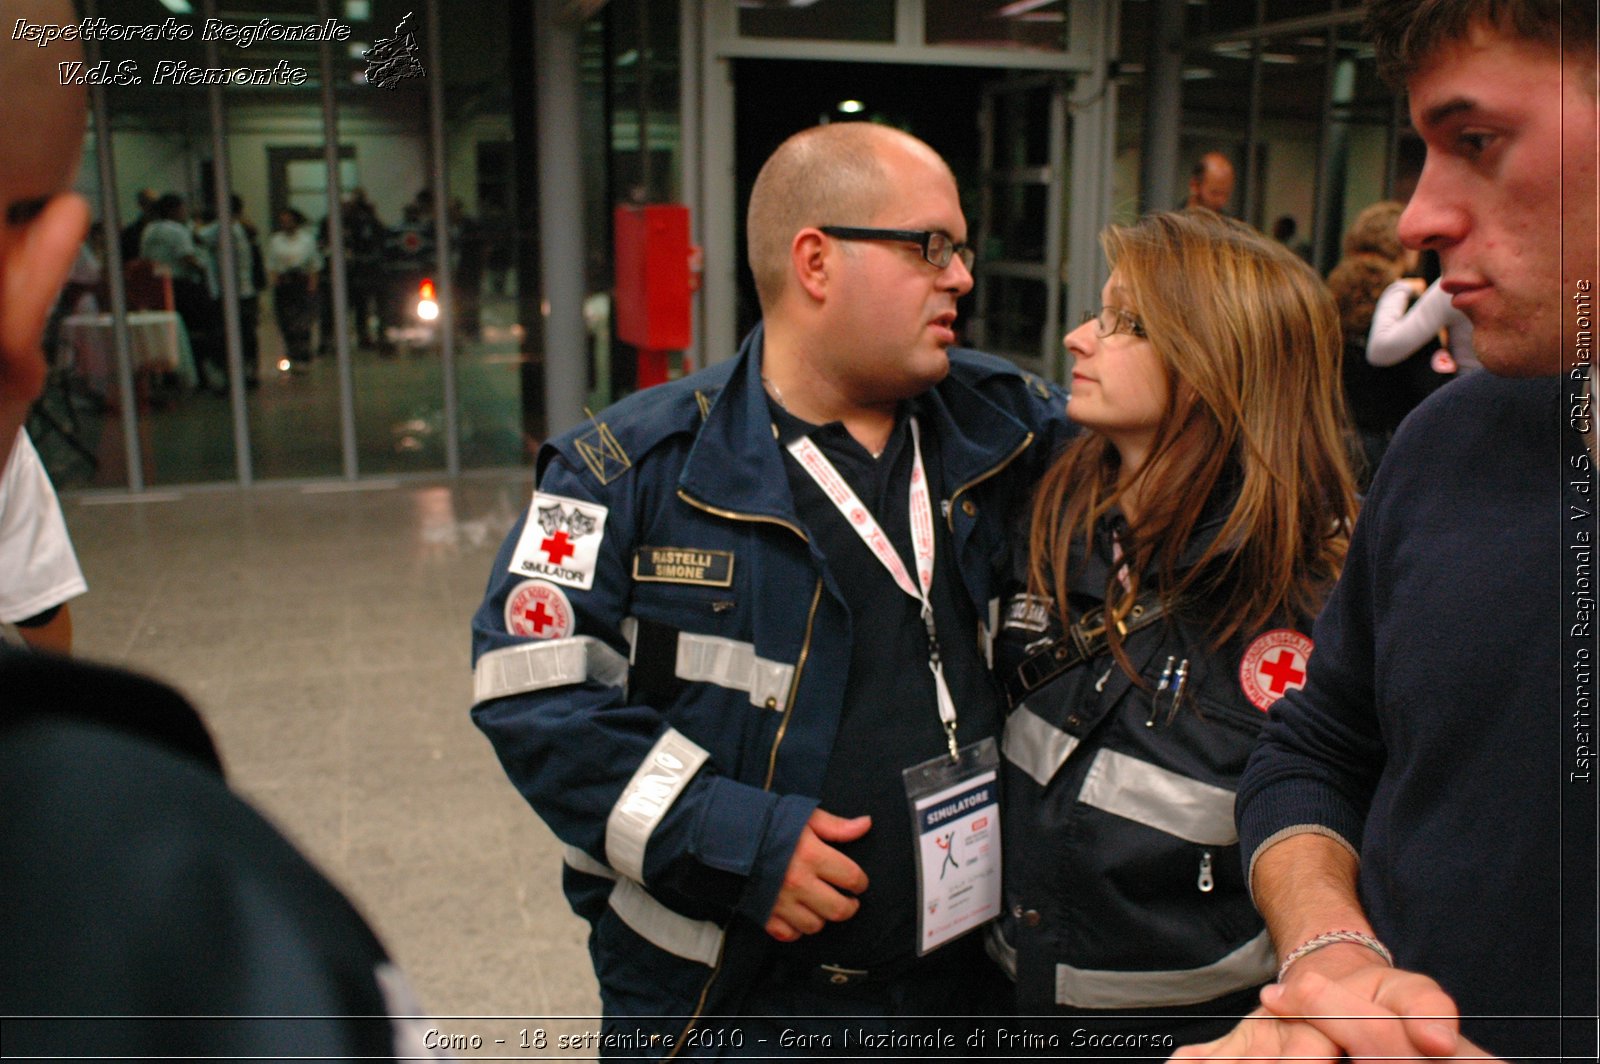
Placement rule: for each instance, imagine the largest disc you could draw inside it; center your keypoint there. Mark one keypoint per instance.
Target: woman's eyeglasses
(1108, 321)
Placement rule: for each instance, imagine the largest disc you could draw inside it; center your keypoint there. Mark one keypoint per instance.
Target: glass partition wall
(370, 146)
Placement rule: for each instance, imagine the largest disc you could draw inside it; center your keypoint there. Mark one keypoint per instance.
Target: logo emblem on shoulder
(560, 540)
(1274, 663)
(602, 453)
(538, 609)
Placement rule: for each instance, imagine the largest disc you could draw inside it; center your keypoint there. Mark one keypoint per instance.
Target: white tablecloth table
(159, 344)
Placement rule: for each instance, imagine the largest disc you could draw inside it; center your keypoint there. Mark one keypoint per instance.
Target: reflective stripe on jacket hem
(525, 667)
(660, 778)
(1250, 965)
(695, 940)
(734, 665)
(1159, 798)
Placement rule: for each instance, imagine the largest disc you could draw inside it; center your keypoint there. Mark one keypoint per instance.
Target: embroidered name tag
(684, 565)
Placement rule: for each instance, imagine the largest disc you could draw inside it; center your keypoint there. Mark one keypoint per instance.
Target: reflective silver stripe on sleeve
(1250, 965)
(580, 861)
(1037, 748)
(732, 664)
(660, 778)
(1158, 798)
(695, 940)
(525, 667)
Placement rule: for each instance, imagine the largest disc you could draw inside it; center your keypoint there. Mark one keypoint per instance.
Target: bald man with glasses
(735, 649)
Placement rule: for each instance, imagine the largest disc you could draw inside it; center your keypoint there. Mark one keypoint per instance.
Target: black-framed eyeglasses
(1108, 321)
(937, 247)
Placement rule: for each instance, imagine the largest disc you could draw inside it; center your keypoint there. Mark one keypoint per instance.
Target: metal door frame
(710, 42)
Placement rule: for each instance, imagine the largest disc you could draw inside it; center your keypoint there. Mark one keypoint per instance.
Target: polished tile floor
(323, 633)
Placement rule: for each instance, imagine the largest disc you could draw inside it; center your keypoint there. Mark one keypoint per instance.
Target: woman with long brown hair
(1176, 554)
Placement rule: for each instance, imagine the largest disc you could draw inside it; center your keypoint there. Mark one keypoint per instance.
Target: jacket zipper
(950, 511)
(794, 689)
(783, 725)
(699, 1006)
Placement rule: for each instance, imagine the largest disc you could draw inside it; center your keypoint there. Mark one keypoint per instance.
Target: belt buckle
(1093, 624)
(841, 976)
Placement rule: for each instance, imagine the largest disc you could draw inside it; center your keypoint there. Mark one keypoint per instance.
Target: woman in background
(1175, 556)
(1382, 384)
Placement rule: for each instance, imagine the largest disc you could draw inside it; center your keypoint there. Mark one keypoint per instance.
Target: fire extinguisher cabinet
(654, 283)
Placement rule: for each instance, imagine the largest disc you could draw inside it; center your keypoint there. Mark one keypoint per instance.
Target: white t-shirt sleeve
(38, 569)
(1397, 333)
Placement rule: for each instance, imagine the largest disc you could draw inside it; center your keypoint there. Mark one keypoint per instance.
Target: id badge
(955, 815)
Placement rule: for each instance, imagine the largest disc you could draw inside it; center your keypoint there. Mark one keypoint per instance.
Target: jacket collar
(1093, 572)
(736, 464)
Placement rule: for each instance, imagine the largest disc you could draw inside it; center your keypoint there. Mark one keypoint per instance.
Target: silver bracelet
(1330, 938)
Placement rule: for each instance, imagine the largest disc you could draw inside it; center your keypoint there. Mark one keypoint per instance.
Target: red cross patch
(1273, 664)
(538, 610)
(558, 548)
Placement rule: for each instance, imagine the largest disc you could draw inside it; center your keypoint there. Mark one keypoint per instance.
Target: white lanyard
(839, 492)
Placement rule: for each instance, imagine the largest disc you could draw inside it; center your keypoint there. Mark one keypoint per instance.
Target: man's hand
(1263, 1035)
(810, 896)
(1366, 1007)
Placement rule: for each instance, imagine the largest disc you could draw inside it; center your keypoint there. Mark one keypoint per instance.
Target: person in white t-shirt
(38, 570)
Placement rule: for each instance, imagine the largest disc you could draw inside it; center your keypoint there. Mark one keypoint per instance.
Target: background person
(168, 241)
(293, 265)
(250, 267)
(39, 571)
(1211, 183)
(1379, 394)
(132, 235)
(1209, 387)
(1410, 317)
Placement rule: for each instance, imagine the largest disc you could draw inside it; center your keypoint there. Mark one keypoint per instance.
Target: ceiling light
(178, 7)
(1021, 7)
(851, 107)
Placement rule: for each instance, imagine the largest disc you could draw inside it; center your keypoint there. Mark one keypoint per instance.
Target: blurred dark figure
(128, 240)
(140, 891)
(470, 247)
(409, 255)
(363, 244)
(363, 257)
(1284, 231)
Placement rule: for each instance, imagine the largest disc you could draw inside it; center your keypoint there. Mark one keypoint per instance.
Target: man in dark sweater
(1419, 820)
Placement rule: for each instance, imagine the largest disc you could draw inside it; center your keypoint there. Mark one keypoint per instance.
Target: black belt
(1083, 641)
